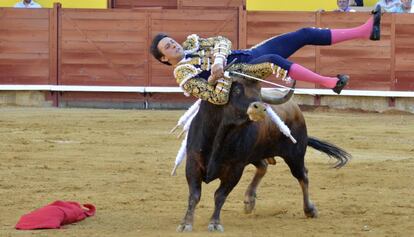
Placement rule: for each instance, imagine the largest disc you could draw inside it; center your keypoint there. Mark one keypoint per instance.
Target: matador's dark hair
(154, 47)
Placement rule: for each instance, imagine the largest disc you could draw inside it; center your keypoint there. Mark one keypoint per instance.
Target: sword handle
(230, 64)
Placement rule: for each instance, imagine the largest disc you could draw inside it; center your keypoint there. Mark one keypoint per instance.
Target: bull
(223, 140)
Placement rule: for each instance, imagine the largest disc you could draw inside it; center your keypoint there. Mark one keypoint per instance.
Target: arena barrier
(177, 4)
(62, 50)
(160, 89)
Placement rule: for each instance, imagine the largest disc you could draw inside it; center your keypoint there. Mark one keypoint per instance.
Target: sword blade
(268, 82)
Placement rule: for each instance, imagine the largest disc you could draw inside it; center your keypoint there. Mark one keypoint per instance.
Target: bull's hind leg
(250, 195)
(299, 171)
(193, 175)
(229, 178)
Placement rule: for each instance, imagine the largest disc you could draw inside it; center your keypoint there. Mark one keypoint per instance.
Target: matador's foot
(342, 81)
(376, 27)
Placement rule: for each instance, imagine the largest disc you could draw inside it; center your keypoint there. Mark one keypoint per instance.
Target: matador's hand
(217, 71)
(211, 80)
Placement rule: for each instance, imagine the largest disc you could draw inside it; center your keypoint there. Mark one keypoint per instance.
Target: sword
(212, 82)
(265, 81)
(229, 65)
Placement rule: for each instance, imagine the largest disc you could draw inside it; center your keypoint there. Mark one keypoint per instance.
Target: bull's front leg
(194, 179)
(214, 163)
(229, 179)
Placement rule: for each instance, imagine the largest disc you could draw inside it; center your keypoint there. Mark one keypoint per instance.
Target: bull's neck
(213, 115)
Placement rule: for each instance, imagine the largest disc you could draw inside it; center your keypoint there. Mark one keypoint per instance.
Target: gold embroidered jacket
(203, 52)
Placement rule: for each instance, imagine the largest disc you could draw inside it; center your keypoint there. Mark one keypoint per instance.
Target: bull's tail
(331, 150)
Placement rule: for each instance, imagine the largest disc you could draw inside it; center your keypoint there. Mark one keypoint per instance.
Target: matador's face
(171, 50)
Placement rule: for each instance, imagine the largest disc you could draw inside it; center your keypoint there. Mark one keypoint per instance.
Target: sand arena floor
(120, 160)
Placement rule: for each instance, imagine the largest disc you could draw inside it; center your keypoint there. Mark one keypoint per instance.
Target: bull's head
(247, 99)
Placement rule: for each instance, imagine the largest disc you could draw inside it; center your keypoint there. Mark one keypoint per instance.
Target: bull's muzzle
(256, 111)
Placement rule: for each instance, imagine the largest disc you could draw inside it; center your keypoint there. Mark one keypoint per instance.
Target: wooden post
(59, 48)
(242, 28)
(317, 100)
(148, 74)
(110, 4)
(318, 49)
(54, 50)
(53, 34)
(391, 102)
(393, 80)
(318, 21)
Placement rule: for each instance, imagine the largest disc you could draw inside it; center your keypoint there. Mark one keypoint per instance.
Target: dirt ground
(120, 161)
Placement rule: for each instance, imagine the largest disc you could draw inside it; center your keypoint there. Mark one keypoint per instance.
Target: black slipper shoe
(342, 81)
(376, 26)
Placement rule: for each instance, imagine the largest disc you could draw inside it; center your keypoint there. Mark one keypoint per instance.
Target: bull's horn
(276, 97)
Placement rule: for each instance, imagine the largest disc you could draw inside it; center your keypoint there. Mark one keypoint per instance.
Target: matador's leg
(300, 73)
(287, 44)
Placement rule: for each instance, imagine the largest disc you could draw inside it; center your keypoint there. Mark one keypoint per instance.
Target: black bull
(222, 140)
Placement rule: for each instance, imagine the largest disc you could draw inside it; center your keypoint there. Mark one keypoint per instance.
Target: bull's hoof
(311, 212)
(215, 227)
(249, 205)
(185, 228)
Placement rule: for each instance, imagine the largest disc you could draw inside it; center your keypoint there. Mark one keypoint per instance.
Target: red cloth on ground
(54, 215)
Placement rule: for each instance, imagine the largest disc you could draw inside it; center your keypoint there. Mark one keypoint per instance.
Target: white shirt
(403, 10)
(391, 6)
(32, 4)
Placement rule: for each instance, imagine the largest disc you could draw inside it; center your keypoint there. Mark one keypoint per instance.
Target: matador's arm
(187, 77)
(221, 48)
(217, 94)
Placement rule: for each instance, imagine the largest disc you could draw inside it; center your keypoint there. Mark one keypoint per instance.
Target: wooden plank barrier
(367, 62)
(111, 47)
(103, 47)
(181, 4)
(404, 52)
(24, 46)
(373, 65)
(180, 23)
(130, 4)
(212, 4)
(264, 25)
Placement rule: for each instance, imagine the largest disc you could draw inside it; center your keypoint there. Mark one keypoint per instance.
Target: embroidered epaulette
(184, 72)
(216, 45)
(192, 44)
